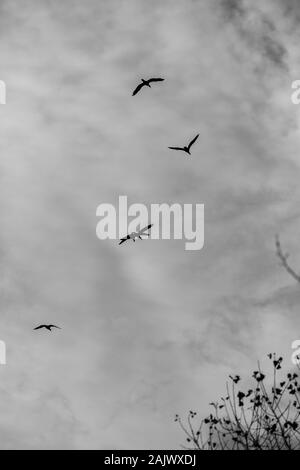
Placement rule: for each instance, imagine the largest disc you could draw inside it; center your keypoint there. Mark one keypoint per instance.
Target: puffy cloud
(150, 329)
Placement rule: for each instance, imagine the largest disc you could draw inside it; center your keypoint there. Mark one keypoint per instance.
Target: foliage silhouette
(263, 417)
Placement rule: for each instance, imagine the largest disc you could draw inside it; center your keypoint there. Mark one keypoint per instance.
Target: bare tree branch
(283, 258)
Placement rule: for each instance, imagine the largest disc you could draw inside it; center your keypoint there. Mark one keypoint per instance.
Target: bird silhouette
(188, 148)
(135, 235)
(146, 83)
(48, 327)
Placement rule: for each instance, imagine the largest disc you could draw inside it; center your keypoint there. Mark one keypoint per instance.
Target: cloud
(149, 330)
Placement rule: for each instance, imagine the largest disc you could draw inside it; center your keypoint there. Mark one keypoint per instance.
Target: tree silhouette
(259, 418)
(256, 418)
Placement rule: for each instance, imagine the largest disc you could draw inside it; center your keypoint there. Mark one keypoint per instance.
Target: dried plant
(258, 418)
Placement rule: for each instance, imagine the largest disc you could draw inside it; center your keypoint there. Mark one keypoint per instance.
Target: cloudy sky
(148, 329)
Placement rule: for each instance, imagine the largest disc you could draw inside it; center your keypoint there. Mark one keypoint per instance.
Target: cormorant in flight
(135, 235)
(188, 148)
(146, 83)
(48, 327)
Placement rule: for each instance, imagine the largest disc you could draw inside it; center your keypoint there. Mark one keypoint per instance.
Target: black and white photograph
(150, 227)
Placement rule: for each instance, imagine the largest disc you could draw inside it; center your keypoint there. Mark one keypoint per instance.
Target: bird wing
(193, 141)
(138, 89)
(38, 327)
(54, 326)
(176, 148)
(123, 240)
(145, 229)
(155, 80)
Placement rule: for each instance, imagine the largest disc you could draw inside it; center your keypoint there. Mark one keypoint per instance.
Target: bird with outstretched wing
(48, 327)
(186, 149)
(146, 83)
(132, 236)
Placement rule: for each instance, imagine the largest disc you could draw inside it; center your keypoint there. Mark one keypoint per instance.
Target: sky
(148, 328)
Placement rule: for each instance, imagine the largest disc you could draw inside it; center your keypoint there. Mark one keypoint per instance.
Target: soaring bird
(188, 148)
(48, 327)
(146, 83)
(135, 235)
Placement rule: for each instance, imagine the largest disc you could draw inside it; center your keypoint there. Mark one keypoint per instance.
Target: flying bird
(146, 83)
(135, 235)
(48, 327)
(188, 148)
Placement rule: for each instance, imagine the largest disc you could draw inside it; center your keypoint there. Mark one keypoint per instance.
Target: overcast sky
(148, 329)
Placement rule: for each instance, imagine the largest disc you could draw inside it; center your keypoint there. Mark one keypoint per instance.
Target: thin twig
(283, 258)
